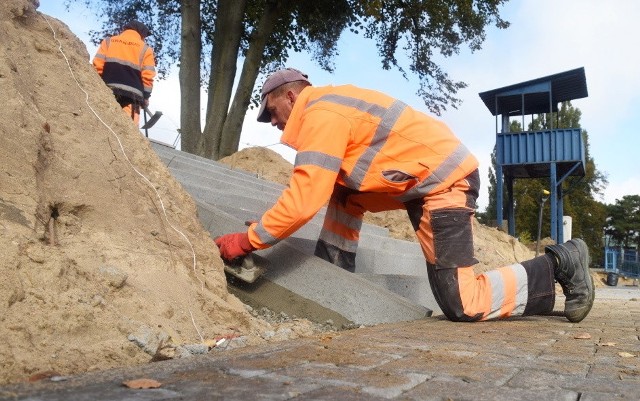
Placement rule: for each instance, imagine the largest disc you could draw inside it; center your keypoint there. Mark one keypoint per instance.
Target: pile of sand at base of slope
(493, 248)
(100, 267)
(261, 161)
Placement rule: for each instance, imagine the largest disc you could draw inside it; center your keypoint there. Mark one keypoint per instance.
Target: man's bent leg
(515, 290)
(338, 241)
(443, 225)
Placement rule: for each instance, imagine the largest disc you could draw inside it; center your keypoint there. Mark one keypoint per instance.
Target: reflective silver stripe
(359, 104)
(122, 62)
(149, 68)
(319, 159)
(388, 118)
(341, 217)
(338, 241)
(101, 56)
(497, 293)
(144, 50)
(264, 236)
(522, 289)
(127, 88)
(438, 175)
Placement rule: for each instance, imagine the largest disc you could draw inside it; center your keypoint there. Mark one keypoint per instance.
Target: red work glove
(235, 245)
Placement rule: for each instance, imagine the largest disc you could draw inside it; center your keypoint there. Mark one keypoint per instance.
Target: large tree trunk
(232, 129)
(189, 76)
(226, 45)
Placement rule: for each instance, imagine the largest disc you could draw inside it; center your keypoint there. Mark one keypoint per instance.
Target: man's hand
(235, 245)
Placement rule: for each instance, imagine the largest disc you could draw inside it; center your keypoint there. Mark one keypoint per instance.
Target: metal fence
(623, 261)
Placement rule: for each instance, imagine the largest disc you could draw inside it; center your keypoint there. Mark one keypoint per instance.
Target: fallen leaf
(326, 338)
(626, 354)
(142, 383)
(582, 336)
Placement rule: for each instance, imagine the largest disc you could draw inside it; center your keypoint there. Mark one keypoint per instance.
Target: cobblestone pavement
(535, 358)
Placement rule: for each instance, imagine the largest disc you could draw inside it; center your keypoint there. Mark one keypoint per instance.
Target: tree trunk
(189, 76)
(226, 45)
(232, 129)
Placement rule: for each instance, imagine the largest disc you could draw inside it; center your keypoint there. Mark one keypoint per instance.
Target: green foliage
(525, 238)
(423, 27)
(419, 28)
(623, 222)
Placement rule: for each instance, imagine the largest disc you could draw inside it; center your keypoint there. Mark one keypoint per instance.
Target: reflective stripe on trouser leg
(516, 290)
(338, 240)
(465, 297)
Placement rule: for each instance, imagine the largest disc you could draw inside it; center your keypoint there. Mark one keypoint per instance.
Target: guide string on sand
(145, 179)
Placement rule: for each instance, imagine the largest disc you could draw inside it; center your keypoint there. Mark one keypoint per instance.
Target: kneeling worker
(362, 150)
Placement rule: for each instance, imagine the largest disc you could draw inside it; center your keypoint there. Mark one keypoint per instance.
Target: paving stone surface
(534, 358)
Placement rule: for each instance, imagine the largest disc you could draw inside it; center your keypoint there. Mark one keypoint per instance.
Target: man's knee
(445, 286)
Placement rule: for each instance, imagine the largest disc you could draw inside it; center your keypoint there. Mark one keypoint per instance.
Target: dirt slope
(102, 258)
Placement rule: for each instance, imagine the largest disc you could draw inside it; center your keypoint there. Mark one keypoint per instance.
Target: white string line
(193, 253)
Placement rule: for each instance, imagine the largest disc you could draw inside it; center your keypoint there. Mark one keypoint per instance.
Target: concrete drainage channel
(390, 283)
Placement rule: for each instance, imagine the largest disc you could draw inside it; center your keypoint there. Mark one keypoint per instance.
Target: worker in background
(127, 65)
(361, 150)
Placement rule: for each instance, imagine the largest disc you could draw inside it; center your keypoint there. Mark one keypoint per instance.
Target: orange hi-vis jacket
(127, 65)
(363, 140)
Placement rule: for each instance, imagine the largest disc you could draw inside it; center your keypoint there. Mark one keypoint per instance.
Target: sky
(545, 37)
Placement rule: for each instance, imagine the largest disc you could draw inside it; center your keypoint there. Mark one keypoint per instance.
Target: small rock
(268, 334)
(196, 349)
(36, 254)
(232, 343)
(97, 300)
(114, 276)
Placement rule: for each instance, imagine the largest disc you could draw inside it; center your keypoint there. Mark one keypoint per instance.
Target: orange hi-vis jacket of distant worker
(127, 65)
(363, 140)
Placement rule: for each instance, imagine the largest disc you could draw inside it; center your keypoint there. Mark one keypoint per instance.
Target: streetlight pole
(543, 198)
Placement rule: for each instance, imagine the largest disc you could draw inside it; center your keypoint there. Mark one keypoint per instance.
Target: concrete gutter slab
(355, 298)
(226, 198)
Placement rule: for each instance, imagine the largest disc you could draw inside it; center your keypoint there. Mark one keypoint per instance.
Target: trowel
(245, 268)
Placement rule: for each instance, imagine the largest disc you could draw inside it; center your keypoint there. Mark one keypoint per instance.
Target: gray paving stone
(430, 359)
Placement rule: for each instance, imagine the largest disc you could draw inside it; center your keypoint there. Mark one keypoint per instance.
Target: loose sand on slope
(102, 257)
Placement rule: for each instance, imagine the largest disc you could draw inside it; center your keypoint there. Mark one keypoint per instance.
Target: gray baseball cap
(273, 81)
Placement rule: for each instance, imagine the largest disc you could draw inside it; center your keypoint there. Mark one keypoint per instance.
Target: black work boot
(572, 272)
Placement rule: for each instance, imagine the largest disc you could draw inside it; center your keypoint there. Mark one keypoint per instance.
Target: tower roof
(537, 96)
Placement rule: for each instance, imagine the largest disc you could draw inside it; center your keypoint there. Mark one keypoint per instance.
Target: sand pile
(103, 260)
